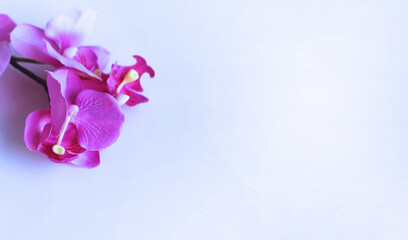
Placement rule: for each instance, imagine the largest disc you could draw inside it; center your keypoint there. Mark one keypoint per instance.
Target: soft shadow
(19, 96)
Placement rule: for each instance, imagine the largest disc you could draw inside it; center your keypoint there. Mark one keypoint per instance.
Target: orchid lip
(72, 112)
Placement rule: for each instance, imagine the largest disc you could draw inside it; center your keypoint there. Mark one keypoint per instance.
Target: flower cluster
(85, 101)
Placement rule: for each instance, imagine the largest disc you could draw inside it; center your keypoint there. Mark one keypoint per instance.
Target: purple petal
(99, 120)
(31, 42)
(6, 26)
(46, 132)
(95, 84)
(114, 78)
(70, 140)
(102, 54)
(134, 85)
(5, 55)
(88, 159)
(63, 87)
(142, 67)
(135, 98)
(118, 73)
(69, 28)
(69, 81)
(87, 58)
(69, 62)
(95, 57)
(34, 126)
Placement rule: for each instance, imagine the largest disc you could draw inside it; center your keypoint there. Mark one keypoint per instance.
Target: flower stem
(14, 62)
(26, 60)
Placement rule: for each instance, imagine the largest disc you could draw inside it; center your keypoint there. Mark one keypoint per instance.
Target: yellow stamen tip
(98, 72)
(58, 149)
(131, 76)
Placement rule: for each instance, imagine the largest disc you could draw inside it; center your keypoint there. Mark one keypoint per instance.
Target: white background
(267, 120)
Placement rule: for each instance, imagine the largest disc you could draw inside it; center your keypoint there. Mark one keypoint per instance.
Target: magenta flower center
(130, 76)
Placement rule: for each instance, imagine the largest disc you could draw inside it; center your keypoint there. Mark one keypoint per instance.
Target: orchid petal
(119, 72)
(134, 86)
(98, 121)
(6, 26)
(69, 28)
(135, 98)
(34, 126)
(88, 159)
(87, 58)
(142, 67)
(46, 132)
(5, 54)
(98, 57)
(31, 42)
(70, 83)
(95, 84)
(63, 87)
(102, 54)
(69, 62)
(70, 141)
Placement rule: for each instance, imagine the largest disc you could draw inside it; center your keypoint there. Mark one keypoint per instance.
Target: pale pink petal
(34, 126)
(88, 159)
(99, 120)
(70, 27)
(69, 62)
(102, 55)
(6, 26)
(70, 83)
(31, 42)
(63, 88)
(5, 55)
(87, 58)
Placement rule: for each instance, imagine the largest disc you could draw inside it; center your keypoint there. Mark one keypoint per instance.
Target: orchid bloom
(38, 137)
(6, 26)
(80, 122)
(58, 44)
(124, 82)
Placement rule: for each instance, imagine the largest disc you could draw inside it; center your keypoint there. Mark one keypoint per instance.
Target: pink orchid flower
(124, 82)
(80, 122)
(6, 26)
(38, 137)
(58, 44)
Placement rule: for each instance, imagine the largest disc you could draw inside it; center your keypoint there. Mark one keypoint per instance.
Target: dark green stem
(14, 62)
(26, 60)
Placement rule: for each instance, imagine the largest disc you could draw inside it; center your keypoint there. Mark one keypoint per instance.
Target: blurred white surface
(267, 120)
